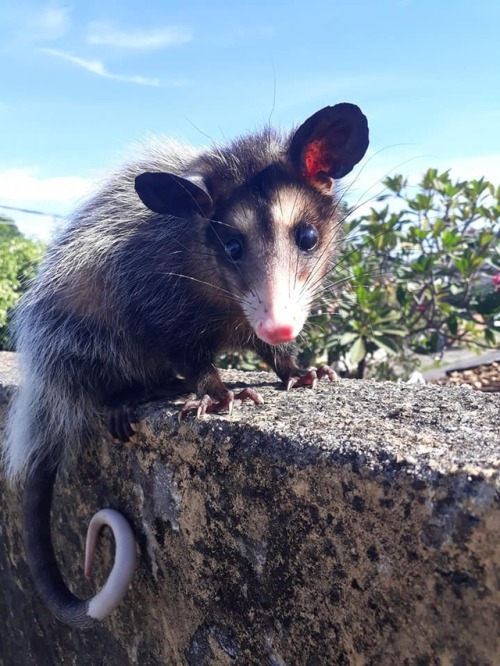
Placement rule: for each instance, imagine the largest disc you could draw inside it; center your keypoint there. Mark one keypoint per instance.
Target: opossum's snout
(276, 315)
(274, 332)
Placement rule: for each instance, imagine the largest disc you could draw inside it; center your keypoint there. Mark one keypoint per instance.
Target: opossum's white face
(278, 245)
(271, 225)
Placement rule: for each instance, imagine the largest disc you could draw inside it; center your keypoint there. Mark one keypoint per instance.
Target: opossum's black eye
(234, 249)
(306, 236)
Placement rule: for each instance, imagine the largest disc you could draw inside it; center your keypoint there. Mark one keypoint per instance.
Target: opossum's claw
(206, 404)
(326, 371)
(310, 376)
(121, 423)
(249, 394)
(226, 404)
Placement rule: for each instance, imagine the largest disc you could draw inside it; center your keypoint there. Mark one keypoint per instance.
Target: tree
(419, 275)
(19, 257)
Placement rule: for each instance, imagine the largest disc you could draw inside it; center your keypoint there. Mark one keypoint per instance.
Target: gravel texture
(357, 523)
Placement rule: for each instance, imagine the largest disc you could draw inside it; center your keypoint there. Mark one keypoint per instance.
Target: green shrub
(19, 258)
(418, 274)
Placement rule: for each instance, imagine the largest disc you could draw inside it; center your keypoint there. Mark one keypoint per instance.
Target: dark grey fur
(128, 298)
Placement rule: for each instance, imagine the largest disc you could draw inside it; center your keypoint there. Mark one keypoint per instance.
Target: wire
(32, 212)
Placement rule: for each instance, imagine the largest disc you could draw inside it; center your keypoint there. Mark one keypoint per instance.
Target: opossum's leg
(122, 420)
(122, 424)
(214, 396)
(310, 376)
(283, 360)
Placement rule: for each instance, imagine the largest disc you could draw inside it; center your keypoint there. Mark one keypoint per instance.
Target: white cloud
(97, 67)
(24, 186)
(107, 35)
(34, 25)
(24, 189)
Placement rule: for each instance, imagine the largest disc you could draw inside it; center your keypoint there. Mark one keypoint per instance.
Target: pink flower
(496, 281)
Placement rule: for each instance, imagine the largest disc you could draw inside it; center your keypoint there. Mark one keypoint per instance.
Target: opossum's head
(273, 235)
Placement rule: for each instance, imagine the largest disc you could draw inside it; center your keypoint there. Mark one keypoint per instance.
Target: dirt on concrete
(358, 523)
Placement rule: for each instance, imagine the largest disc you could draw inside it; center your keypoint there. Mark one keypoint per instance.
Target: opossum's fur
(56, 410)
(131, 296)
(177, 256)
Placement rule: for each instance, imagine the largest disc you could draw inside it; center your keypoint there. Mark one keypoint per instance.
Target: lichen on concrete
(358, 523)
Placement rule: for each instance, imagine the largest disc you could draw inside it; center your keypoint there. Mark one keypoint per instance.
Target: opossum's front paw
(122, 423)
(226, 404)
(310, 376)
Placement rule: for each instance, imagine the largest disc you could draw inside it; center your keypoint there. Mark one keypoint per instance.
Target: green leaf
(489, 336)
(453, 324)
(386, 343)
(450, 238)
(399, 332)
(358, 351)
(347, 338)
(401, 294)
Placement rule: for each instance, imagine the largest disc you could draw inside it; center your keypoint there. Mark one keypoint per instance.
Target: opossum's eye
(234, 249)
(306, 236)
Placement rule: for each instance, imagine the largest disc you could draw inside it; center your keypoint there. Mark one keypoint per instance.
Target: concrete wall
(355, 524)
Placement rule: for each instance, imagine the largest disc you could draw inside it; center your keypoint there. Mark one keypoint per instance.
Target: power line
(32, 212)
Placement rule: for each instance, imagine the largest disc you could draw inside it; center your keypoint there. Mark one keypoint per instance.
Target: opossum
(179, 255)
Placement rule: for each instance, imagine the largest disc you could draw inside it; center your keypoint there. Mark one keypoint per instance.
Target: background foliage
(19, 258)
(419, 273)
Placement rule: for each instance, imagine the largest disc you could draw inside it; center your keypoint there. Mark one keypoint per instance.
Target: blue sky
(80, 81)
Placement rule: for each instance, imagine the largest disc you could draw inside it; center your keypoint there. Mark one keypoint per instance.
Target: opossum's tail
(68, 608)
(47, 427)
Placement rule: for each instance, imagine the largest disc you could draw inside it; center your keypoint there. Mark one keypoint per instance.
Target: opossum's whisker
(215, 145)
(274, 97)
(367, 162)
(209, 253)
(182, 186)
(313, 286)
(348, 279)
(318, 274)
(342, 261)
(337, 276)
(360, 202)
(296, 272)
(290, 255)
(208, 284)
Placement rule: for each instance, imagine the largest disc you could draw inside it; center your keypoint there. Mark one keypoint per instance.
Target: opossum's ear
(175, 195)
(329, 143)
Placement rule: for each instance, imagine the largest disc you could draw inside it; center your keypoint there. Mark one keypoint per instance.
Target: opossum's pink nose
(275, 333)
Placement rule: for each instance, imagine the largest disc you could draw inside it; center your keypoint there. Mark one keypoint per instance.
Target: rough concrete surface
(358, 523)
